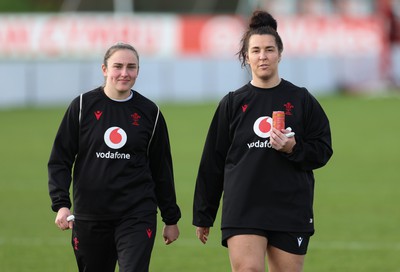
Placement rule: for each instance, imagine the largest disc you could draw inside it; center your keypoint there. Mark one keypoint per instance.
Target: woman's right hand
(202, 233)
(61, 219)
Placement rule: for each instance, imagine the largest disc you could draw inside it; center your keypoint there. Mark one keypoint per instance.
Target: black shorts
(292, 242)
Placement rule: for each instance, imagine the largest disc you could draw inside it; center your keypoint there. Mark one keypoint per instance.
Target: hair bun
(261, 19)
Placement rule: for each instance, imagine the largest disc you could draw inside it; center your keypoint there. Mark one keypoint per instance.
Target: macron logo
(299, 240)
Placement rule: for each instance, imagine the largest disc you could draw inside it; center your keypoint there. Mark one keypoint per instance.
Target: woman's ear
(104, 69)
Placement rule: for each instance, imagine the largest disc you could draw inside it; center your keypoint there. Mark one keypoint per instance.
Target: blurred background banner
(188, 53)
(87, 36)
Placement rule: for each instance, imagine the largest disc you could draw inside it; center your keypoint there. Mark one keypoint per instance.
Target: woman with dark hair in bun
(264, 173)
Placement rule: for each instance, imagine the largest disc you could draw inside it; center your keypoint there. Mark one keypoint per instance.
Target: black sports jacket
(262, 188)
(118, 154)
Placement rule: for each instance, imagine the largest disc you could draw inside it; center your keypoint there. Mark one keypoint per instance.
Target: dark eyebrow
(129, 64)
(267, 47)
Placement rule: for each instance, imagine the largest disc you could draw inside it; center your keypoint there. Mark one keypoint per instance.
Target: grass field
(356, 206)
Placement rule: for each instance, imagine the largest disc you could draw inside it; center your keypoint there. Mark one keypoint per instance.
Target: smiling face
(263, 57)
(120, 72)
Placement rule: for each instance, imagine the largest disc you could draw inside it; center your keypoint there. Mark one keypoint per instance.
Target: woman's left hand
(279, 141)
(170, 233)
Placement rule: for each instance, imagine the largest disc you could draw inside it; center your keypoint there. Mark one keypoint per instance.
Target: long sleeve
(210, 179)
(162, 172)
(62, 158)
(314, 149)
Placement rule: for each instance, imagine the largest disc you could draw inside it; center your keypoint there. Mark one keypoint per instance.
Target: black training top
(262, 188)
(120, 156)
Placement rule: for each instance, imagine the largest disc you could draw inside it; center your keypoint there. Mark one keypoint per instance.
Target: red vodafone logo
(262, 126)
(115, 137)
